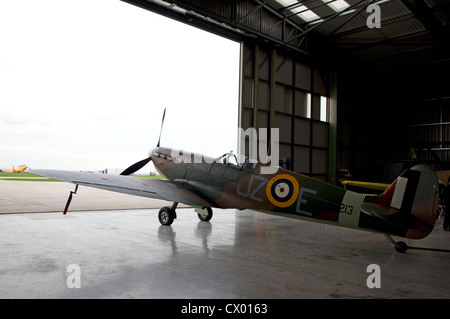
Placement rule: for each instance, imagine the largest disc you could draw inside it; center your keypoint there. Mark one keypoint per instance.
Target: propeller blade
(136, 166)
(164, 114)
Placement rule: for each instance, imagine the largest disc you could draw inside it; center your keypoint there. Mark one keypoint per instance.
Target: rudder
(414, 194)
(424, 208)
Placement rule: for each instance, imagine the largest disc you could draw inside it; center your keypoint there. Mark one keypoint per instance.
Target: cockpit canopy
(179, 156)
(236, 160)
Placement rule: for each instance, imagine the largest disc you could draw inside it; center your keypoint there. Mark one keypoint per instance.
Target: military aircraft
(19, 169)
(407, 208)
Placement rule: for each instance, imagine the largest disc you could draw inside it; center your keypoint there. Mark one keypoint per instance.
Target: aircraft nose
(152, 151)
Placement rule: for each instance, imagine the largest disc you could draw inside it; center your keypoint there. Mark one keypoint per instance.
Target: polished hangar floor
(125, 253)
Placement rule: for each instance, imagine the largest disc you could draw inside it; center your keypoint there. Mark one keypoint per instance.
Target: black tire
(166, 216)
(206, 218)
(401, 247)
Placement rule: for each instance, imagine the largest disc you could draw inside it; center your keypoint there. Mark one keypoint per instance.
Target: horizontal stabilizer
(390, 215)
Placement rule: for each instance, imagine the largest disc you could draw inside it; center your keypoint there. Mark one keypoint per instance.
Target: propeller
(138, 165)
(160, 131)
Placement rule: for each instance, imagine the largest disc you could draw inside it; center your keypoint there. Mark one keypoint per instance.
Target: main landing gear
(168, 214)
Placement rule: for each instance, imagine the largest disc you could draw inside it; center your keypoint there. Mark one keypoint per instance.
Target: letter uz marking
(249, 194)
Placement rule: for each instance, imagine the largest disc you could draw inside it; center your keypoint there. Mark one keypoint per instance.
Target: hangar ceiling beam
(333, 16)
(255, 21)
(427, 16)
(170, 10)
(393, 20)
(252, 12)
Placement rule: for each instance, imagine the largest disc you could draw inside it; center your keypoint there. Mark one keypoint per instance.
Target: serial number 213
(346, 209)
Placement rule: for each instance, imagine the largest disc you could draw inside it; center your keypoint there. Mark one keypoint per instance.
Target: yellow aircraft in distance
(443, 178)
(19, 169)
(345, 180)
(376, 186)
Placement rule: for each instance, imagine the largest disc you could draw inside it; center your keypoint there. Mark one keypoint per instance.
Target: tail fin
(415, 193)
(410, 202)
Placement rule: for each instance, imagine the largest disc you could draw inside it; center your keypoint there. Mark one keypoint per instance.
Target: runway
(116, 247)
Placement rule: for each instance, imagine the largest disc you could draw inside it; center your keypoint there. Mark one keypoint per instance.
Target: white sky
(83, 85)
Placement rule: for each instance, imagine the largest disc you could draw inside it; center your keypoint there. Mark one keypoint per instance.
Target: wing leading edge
(180, 192)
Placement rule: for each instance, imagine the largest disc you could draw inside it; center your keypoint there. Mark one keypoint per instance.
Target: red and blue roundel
(282, 190)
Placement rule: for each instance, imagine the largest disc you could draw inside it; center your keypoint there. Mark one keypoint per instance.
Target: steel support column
(332, 129)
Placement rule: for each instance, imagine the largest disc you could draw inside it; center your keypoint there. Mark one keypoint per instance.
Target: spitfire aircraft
(407, 208)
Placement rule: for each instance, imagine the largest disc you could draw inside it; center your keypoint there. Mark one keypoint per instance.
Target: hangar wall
(280, 91)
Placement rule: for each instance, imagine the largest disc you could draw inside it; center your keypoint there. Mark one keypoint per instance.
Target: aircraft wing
(180, 192)
(443, 176)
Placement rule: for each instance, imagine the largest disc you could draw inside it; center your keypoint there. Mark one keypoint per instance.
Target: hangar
(352, 84)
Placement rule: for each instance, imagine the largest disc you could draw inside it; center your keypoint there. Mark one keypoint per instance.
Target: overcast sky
(83, 85)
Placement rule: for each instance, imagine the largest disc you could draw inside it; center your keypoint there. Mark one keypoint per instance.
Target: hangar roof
(415, 32)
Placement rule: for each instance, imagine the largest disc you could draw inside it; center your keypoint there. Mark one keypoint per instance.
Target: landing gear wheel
(166, 216)
(206, 218)
(401, 247)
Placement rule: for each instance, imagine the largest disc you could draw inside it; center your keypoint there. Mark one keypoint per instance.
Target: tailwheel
(167, 215)
(401, 247)
(204, 214)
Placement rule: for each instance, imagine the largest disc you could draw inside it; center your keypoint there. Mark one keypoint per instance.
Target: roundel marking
(282, 190)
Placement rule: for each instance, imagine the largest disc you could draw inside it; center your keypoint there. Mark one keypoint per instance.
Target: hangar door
(278, 91)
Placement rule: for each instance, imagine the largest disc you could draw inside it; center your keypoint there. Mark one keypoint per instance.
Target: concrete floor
(126, 253)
